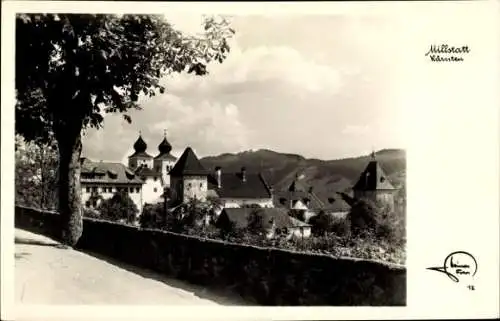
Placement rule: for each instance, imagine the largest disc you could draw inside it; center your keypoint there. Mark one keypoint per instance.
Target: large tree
(73, 68)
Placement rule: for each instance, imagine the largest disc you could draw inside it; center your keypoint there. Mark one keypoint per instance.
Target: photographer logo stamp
(447, 53)
(460, 267)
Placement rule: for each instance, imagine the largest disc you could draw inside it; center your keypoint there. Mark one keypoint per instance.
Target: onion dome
(164, 146)
(140, 145)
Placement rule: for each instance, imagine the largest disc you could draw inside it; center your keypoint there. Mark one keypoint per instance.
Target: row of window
(96, 189)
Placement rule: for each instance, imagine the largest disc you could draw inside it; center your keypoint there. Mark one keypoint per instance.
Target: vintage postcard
(260, 161)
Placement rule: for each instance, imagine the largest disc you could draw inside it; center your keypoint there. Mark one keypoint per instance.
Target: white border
(451, 207)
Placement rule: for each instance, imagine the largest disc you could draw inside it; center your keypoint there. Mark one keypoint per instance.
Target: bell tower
(140, 157)
(165, 161)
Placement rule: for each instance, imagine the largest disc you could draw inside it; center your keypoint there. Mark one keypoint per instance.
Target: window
(382, 179)
(155, 179)
(201, 185)
(110, 189)
(189, 185)
(155, 190)
(88, 189)
(137, 189)
(131, 190)
(94, 189)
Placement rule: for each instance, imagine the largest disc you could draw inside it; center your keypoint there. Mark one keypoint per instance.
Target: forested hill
(326, 176)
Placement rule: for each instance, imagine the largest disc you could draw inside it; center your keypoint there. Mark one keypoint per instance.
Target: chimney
(243, 174)
(218, 172)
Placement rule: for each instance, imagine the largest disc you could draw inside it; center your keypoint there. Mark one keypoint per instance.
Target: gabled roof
(107, 172)
(188, 164)
(283, 199)
(295, 192)
(296, 186)
(240, 217)
(166, 156)
(147, 172)
(373, 178)
(141, 155)
(233, 186)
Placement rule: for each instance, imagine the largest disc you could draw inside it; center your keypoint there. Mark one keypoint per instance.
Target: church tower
(189, 178)
(164, 162)
(374, 185)
(140, 157)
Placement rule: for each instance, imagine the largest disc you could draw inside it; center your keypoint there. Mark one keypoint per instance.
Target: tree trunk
(70, 206)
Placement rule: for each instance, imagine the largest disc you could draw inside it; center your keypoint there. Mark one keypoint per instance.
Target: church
(144, 179)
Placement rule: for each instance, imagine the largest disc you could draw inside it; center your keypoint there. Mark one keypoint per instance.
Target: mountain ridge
(326, 177)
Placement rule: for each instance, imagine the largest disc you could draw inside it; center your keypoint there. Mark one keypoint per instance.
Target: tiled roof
(143, 171)
(296, 186)
(106, 172)
(233, 186)
(295, 192)
(166, 156)
(240, 217)
(141, 154)
(337, 203)
(188, 164)
(373, 178)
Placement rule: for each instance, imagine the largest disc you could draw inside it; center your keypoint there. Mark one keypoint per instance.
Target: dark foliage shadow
(221, 296)
(21, 255)
(27, 241)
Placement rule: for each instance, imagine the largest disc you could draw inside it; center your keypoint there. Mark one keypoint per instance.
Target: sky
(322, 86)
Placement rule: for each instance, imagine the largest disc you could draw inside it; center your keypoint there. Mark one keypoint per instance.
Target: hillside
(325, 176)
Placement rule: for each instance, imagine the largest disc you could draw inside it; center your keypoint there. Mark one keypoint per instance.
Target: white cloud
(355, 130)
(264, 64)
(206, 126)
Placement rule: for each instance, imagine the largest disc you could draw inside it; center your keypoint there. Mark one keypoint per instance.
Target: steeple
(373, 177)
(164, 146)
(188, 164)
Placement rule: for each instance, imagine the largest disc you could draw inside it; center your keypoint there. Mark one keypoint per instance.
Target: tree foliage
(153, 216)
(374, 219)
(71, 69)
(321, 223)
(120, 207)
(35, 174)
(101, 63)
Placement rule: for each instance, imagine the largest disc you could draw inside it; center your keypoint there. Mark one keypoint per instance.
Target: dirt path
(45, 273)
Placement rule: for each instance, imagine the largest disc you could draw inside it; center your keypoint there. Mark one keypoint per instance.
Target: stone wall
(263, 276)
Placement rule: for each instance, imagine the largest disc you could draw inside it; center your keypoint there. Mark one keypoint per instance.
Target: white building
(101, 180)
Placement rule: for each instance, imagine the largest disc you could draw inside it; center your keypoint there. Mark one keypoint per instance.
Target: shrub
(152, 216)
(369, 219)
(340, 227)
(119, 207)
(320, 224)
(90, 212)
